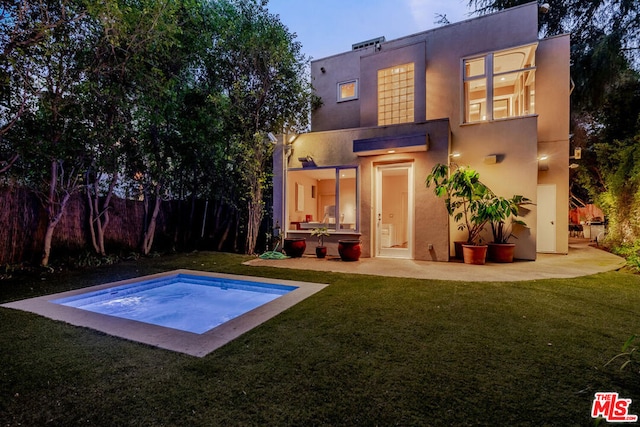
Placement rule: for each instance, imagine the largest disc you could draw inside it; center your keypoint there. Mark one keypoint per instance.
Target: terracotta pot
(474, 254)
(349, 250)
(294, 246)
(501, 252)
(321, 251)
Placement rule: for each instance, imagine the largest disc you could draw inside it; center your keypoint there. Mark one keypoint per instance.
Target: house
(485, 92)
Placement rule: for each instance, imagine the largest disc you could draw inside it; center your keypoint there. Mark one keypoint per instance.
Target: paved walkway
(582, 260)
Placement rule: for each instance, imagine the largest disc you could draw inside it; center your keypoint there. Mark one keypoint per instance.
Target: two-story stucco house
(484, 93)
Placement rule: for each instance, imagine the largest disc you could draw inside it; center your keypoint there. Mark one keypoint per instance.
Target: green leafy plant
(467, 199)
(629, 355)
(472, 204)
(320, 233)
(503, 213)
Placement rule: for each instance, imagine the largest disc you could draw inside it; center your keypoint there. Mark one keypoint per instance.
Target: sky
(329, 27)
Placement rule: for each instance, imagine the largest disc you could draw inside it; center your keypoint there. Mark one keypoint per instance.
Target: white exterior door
(546, 238)
(393, 214)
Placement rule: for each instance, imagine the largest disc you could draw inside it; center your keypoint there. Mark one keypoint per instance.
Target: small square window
(348, 90)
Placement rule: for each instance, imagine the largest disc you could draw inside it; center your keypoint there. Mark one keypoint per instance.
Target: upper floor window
(396, 94)
(348, 90)
(500, 84)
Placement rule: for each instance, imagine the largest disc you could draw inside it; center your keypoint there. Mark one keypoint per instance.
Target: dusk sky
(328, 27)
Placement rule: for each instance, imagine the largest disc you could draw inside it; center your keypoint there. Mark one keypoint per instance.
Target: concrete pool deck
(170, 339)
(582, 260)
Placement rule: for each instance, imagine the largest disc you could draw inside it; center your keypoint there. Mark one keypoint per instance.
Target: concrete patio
(582, 260)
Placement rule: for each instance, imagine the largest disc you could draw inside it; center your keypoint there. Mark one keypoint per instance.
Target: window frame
(349, 98)
(338, 169)
(489, 76)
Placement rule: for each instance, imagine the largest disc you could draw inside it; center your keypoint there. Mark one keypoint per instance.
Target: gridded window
(500, 85)
(348, 90)
(396, 94)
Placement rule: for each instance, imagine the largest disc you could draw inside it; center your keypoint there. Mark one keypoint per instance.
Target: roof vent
(367, 43)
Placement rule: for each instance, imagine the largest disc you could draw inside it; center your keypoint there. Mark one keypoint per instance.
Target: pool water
(185, 302)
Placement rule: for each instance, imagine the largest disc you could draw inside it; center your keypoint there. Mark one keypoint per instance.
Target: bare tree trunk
(99, 215)
(55, 210)
(150, 230)
(254, 220)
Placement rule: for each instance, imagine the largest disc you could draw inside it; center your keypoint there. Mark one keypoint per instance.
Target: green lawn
(364, 351)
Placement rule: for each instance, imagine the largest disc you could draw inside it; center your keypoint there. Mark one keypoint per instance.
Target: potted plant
(294, 246)
(321, 249)
(466, 200)
(503, 213)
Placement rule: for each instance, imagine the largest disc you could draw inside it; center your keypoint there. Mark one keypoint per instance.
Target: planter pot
(294, 246)
(457, 247)
(474, 254)
(321, 251)
(349, 250)
(501, 252)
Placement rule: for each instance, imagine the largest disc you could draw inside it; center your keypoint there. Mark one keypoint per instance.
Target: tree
(51, 137)
(263, 74)
(23, 25)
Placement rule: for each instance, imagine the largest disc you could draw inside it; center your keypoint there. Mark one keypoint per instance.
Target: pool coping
(198, 345)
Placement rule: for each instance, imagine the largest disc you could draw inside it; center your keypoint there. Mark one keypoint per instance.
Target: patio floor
(582, 260)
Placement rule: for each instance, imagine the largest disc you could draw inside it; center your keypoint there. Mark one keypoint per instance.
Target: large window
(322, 197)
(500, 85)
(396, 94)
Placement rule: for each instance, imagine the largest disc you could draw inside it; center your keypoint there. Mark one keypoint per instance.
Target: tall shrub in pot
(503, 213)
(466, 199)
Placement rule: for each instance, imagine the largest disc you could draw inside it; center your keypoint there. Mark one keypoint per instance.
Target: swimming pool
(170, 328)
(186, 302)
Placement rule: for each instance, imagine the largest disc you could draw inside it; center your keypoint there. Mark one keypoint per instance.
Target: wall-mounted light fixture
(454, 155)
(544, 8)
(543, 164)
(323, 70)
(491, 159)
(272, 138)
(378, 46)
(577, 153)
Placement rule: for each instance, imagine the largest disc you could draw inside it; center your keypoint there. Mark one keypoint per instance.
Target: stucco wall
(335, 148)
(552, 86)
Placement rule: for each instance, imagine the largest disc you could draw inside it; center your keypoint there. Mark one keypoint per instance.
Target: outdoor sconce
(272, 138)
(323, 70)
(543, 162)
(490, 159)
(454, 155)
(378, 46)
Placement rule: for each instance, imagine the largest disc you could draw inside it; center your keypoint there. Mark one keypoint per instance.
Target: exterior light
(454, 155)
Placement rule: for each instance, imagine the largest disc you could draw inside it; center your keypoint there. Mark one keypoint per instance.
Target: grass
(364, 351)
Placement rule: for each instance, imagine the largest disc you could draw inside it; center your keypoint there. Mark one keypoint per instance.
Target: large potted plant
(466, 199)
(321, 249)
(503, 213)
